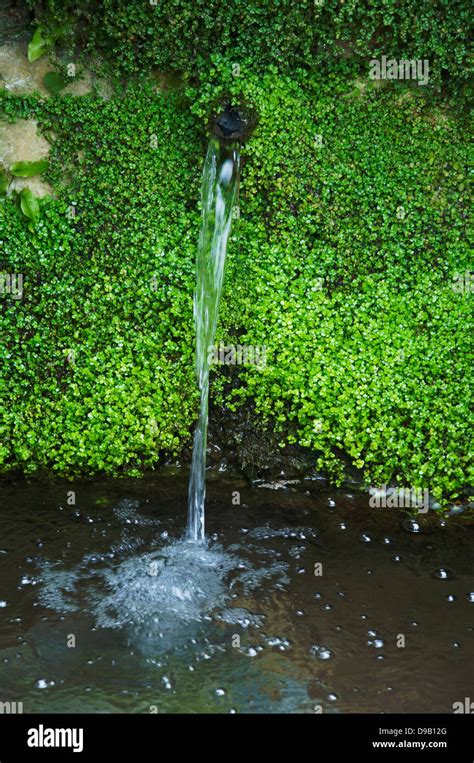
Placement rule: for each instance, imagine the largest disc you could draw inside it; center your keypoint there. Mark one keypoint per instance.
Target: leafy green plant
(4, 181)
(353, 223)
(41, 42)
(29, 206)
(55, 82)
(28, 169)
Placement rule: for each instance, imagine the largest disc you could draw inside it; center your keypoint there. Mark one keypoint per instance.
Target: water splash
(219, 191)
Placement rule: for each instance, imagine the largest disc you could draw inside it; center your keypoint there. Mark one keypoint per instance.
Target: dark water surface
(103, 608)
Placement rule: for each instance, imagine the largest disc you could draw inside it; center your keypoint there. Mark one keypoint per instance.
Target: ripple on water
(162, 599)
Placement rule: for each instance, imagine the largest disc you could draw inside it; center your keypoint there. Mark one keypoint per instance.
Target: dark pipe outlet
(230, 125)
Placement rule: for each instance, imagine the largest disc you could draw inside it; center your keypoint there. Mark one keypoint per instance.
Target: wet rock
(21, 141)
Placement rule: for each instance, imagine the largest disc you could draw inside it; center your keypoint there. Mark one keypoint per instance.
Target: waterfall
(219, 191)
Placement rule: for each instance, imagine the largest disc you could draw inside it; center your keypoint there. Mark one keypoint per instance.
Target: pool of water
(301, 600)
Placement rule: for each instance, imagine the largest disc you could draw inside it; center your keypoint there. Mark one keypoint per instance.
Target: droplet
(342, 526)
(331, 503)
(470, 596)
(327, 607)
(456, 644)
(450, 597)
(333, 697)
(411, 525)
(164, 534)
(318, 595)
(396, 558)
(442, 574)
(365, 538)
(220, 692)
(3, 604)
(386, 541)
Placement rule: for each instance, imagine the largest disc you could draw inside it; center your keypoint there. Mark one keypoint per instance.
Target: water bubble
(43, 683)
(331, 503)
(414, 623)
(456, 644)
(470, 596)
(342, 526)
(327, 607)
(376, 642)
(3, 604)
(318, 595)
(300, 612)
(365, 538)
(232, 711)
(165, 534)
(396, 558)
(364, 616)
(442, 573)
(450, 597)
(386, 541)
(411, 525)
(220, 692)
(166, 682)
(341, 594)
(321, 652)
(333, 697)
(380, 657)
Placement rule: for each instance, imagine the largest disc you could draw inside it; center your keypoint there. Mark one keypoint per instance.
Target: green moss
(352, 226)
(179, 35)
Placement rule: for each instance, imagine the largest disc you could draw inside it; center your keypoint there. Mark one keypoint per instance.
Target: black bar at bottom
(100, 737)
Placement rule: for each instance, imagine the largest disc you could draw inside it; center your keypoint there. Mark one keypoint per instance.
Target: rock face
(14, 19)
(17, 74)
(21, 141)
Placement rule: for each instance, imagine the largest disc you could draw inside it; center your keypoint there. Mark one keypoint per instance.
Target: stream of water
(219, 191)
